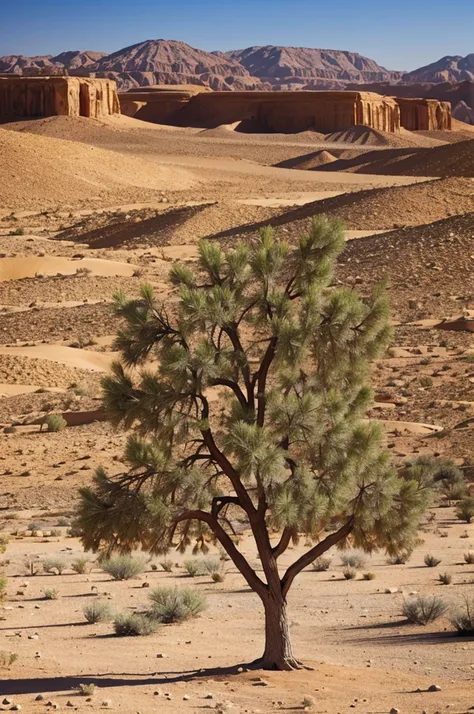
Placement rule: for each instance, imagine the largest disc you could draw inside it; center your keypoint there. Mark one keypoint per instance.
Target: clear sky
(399, 34)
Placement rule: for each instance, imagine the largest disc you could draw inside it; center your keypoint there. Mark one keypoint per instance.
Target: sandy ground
(56, 329)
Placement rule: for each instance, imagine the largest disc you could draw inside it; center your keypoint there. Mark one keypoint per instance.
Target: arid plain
(89, 208)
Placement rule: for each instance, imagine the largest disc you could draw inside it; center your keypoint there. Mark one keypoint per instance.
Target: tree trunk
(278, 653)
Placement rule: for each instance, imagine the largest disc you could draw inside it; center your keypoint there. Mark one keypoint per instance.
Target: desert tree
(245, 398)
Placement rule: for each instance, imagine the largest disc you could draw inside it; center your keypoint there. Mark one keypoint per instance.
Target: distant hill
(310, 67)
(69, 60)
(447, 69)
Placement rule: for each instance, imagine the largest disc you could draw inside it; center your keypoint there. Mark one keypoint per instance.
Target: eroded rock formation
(284, 112)
(424, 114)
(33, 97)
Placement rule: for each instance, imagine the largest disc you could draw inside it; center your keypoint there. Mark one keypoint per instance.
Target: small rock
(15, 708)
(106, 703)
(39, 698)
(391, 591)
(7, 701)
(394, 710)
(161, 655)
(186, 697)
(434, 688)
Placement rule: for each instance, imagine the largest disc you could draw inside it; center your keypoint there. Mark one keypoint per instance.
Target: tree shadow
(109, 680)
(413, 638)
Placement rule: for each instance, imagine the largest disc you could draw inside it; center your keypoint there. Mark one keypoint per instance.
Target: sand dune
(70, 356)
(29, 267)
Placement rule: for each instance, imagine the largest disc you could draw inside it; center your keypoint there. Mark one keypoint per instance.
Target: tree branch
(311, 555)
(283, 543)
(221, 382)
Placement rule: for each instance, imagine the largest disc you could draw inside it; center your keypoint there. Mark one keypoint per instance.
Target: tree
(247, 396)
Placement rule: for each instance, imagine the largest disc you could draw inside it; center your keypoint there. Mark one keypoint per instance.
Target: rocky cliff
(447, 69)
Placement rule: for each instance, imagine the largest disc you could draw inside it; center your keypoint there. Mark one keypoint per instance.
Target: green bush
(211, 565)
(97, 612)
(52, 564)
(50, 594)
(17, 232)
(463, 618)
(3, 588)
(218, 577)
(80, 566)
(124, 567)
(431, 561)
(7, 659)
(369, 576)
(55, 422)
(176, 604)
(87, 690)
(193, 568)
(321, 564)
(465, 509)
(353, 560)
(423, 609)
(131, 625)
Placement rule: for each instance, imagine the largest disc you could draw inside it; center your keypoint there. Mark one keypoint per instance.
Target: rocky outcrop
(32, 97)
(284, 112)
(424, 114)
(448, 69)
(72, 60)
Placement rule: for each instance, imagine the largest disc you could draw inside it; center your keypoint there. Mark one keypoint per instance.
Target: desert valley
(96, 201)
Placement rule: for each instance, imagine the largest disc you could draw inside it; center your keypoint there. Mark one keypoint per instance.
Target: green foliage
(124, 567)
(131, 625)
(443, 474)
(87, 690)
(353, 560)
(55, 422)
(3, 588)
(194, 567)
(465, 509)
(54, 563)
(80, 566)
(423, 609)
(463, 617)
(368, 576)
(285, 443)
(322, 564)
(97, 611)
(50, 594)
(17, 232)
(212, 565)
(431, 561)
(176, 604)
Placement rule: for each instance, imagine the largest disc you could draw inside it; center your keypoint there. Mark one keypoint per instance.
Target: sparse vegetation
(421, 610)
(193, 568)
(469, 557)
(50, 594)
(80, 566)
(368, 576)
(463, 617)
(353, 560)
(97, 612)
(124, 567)
(431, 561)
(445, 578)
(465, 509)
(167, 565)
(132, 625)
(7, 659)
(87, 690)
(349, 573)
(55, 422)
(322, 564)
(54, 564)
(176, 604)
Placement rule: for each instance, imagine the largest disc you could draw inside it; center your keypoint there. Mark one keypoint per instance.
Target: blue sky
(400, 34)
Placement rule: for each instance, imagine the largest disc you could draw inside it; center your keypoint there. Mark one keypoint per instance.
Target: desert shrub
(218, 577)
(193, 568)
(349, 573)
(64, 522)
(34, 526)
(3, 587)
(463, 618)
(52, 564)
(211, 565)
(87, 690)
(7, 659)
(423, 609)
(465, 509)
(398, 559)
(131, 624)
(431, 561)
(167, 565)
(426, 381)
(321, 564)
(97, 612)
(50, 594)
(469, 557)
(176, 604)
(369, 576)
(55, 422)
(80, 566)
(123, 567)
(32, 566)
(445, 578)
(353, 560)
(307, 703)
(17, 232)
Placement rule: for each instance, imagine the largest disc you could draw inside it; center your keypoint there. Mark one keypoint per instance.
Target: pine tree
(246, 399)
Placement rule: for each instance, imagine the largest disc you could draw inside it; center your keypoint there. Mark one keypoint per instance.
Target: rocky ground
(60, 266)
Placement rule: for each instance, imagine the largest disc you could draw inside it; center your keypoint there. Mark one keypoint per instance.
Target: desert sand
(90, 208)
